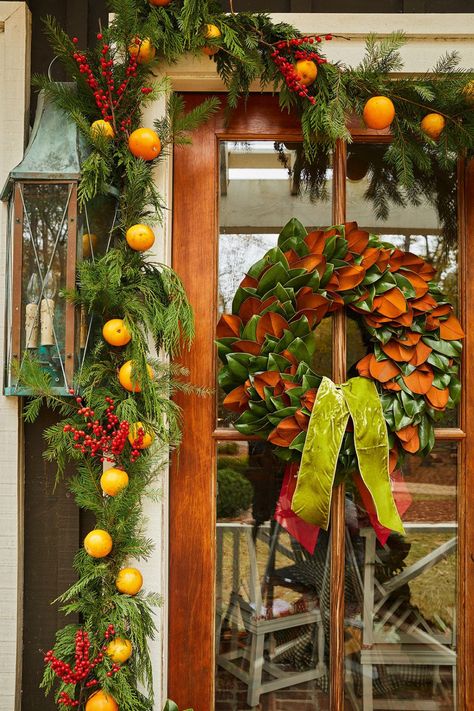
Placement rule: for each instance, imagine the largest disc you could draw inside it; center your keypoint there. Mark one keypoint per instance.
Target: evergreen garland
(150, 298)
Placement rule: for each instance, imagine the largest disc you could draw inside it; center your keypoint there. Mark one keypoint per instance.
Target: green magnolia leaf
(240, 296)
(292, 235)
(298, 442)
(258, 408)
(300, 327)
(412, 406)
(426, 434)
(400, 417)
(372, 276)
(327, 274)
(257, 268)
(384, 284)
(276, 255)
(227, 380)
(302, 279)
(280, 292)
(276, 273)
(277, 362)
(250, 329)
(238, 364)
(455, 390)
(452, 349)
(275, 417)
(438, 361)
(441, 380)
(340, 249)
(170, 706)
(405, 286)
(299, 349)
(224, 347)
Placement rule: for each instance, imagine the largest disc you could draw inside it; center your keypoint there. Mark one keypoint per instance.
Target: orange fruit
(133, 434)
(468, 92)
(144, 143)
(98, 543)
(100, 701)
(432, 125)
(102, 128)
(159, 3)
(119, 650)
(211, 32)
(307, 71)
(125, 377)
(142, 50)
(116, 333)
(129, 581)
(379, 112)
(140, 237)
(113, 481)
(89, 244)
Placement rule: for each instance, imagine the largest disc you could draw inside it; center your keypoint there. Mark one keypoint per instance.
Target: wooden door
(360, 668)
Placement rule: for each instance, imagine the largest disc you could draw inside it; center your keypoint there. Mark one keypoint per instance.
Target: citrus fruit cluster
(379, 113)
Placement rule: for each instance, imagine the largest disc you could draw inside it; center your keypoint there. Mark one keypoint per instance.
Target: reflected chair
(258, 656)
(397, 635)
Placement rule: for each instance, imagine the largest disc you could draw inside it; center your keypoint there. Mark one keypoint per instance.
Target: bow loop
(358, 399)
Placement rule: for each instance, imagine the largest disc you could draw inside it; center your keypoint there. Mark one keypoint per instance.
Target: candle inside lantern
(32, 312)
(47, 309)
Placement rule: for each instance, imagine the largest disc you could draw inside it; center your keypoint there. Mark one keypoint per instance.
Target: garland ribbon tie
(358, 399)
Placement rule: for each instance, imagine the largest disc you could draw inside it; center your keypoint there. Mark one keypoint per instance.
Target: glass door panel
(271, 632)
(401, 592)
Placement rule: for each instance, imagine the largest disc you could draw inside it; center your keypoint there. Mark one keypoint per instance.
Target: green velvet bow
(358, 399)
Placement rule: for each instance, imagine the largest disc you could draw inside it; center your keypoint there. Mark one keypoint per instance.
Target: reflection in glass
(401, 594)
(273, 596)
(44, 273)
(422, 221)
(259, 193)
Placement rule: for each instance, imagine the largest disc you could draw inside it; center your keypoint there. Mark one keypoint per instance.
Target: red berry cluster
(106, 441)
(83, 665)
(284, 54)
(107, 96)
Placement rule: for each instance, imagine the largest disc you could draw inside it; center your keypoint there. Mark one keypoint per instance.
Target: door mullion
(336, 694)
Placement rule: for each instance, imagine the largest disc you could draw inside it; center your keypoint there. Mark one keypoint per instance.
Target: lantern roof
(55, 150)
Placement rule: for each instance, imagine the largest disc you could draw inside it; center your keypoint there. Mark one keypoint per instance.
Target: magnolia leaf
(280, 414)
(400, 417)
(405, 286)
(170, 706)
(451, 349)
(241, 294)
(455, 390)
(298, 442)
(327, 274)
(276, 273)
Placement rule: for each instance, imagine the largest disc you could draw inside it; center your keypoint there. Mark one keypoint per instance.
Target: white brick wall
(14, 108)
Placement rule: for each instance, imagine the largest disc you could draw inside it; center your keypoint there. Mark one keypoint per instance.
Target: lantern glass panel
(41, 262)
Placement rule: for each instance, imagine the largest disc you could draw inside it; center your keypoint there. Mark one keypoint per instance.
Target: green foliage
(150, 296)
(234, 493)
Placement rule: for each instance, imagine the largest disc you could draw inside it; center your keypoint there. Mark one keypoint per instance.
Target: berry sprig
(285, 52)
(104, 440)
(83, 665)
(103, 84)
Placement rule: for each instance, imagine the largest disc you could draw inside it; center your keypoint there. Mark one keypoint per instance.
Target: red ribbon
(307, 534)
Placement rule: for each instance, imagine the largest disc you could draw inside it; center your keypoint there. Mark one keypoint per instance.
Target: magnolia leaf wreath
(405, 382)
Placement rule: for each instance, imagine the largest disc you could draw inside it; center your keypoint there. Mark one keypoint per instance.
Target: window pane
(422, 221)
(401, 593)
(259, 193)
(273, 595)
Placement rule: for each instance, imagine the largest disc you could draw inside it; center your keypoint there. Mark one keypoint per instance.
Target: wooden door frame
(192, 484)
